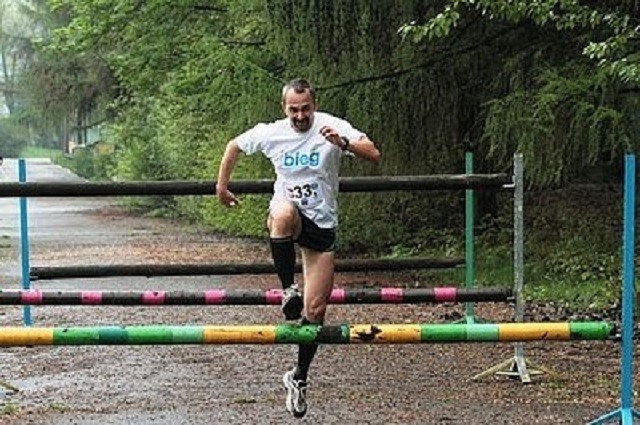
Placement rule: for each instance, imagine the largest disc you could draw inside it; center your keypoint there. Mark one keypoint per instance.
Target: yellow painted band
(397, 334)
(534, 331)
(13, 336)
(239, 334)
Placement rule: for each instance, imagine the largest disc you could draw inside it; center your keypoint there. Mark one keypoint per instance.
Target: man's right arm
(227, 163)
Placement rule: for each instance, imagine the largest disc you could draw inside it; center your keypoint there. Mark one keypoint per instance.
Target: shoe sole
(289, 401)
(293, 308)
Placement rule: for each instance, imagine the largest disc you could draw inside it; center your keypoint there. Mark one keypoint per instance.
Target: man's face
(299, 108)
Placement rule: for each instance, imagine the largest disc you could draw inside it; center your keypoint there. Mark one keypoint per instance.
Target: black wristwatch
(346, 143)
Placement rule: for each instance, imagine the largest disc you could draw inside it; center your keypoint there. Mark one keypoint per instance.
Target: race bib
(304, 194)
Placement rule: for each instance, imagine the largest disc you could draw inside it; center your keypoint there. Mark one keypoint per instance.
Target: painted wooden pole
(203, 187)
(305, 334)
(251, 297)
(347, 265)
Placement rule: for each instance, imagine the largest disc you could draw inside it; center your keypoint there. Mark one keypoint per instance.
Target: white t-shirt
(307, 165)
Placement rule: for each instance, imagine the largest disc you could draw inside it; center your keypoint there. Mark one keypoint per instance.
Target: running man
(305, 148)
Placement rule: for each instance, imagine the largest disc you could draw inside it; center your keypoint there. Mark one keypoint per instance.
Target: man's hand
(226, 198)
(332, 136)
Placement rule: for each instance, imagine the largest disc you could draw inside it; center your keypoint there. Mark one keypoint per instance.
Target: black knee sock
(284, 258)
(306, 353)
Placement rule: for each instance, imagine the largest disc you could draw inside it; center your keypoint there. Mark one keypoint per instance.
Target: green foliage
(563, 112)
(558, 14)
(583, 265)
(547, 78)
(88, 163)
(561, 128)
(61, 82)
(576, 295)
(14, 138)
(189, 84)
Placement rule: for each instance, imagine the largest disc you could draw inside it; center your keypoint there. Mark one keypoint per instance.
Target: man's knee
(283, 219)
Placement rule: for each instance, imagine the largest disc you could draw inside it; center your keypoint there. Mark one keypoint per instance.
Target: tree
(64, 92)
(569, 91)
(15, 51)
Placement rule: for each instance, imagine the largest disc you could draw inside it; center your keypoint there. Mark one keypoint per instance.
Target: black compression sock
(284, 258)
(306, 353)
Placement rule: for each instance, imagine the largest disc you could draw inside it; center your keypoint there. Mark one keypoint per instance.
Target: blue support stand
(626, 413)
(24, 241)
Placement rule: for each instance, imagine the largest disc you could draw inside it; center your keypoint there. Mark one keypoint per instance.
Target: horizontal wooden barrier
(208, 187)
(250, 297)
(359, 265)
(305, 334)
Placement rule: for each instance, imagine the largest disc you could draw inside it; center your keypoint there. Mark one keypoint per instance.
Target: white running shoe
(292, 303)
(296, 395)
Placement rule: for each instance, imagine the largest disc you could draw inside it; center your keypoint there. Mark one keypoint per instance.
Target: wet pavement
(413, 384)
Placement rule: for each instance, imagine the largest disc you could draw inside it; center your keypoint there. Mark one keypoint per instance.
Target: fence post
(625, 412)
(24, 241)
(469, 255)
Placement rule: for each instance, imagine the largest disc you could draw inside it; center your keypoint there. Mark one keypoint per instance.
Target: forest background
(167, 84)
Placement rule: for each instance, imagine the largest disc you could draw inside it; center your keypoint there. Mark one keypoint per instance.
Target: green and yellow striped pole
(305, 334)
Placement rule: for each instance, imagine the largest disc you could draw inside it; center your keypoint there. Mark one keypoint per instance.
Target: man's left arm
(361, 147)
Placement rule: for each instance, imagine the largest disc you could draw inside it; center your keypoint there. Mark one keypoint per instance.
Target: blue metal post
(626, 412)
(628, 294)
(24, 240)
(469, 278)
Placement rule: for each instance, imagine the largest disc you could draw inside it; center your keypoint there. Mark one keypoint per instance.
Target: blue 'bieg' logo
(298, 160)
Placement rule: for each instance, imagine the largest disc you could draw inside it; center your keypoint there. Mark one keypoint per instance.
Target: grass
(569, 285)
(9, 408)
(56, 155)
(39, 152)
(59, 407)
(572, 252)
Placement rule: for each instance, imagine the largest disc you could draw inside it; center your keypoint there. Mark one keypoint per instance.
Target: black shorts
(314, 237)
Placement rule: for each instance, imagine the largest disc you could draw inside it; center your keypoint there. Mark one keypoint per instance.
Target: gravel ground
(426, 384)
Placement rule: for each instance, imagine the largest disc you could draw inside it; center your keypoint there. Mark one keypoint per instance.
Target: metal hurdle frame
(517, 366)
(468, 181)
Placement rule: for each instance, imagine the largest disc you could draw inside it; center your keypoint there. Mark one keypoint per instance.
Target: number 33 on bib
(304, 194)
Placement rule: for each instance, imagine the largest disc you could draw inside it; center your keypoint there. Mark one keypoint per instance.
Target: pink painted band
(153, 297)
(273, 296)
(446, 294)
(391, 295)
(338, 296)
(215, 296)
(91, 297)
(31, 297)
